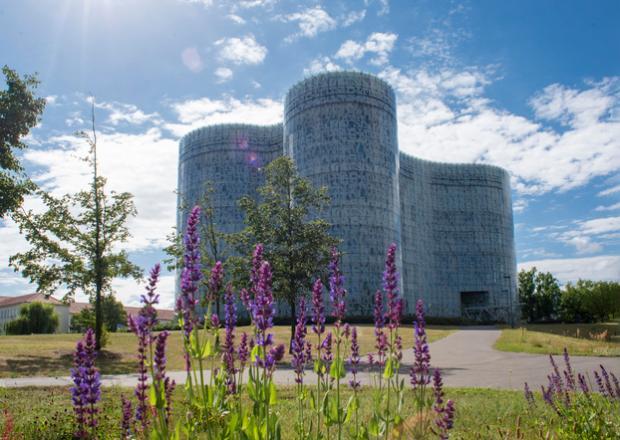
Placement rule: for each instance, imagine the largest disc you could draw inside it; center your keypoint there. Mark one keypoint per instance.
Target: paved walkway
(466, 359)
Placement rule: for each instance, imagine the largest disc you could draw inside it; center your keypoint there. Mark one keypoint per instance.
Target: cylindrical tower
(340, 130)
(230, 157)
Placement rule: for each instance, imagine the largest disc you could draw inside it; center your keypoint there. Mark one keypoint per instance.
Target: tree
(573, 302)
(603, 300)
(539, 294)
(113, 315)
(287, 222)
(211, 238)
(20, 111)
(74, 241)
(34, 317)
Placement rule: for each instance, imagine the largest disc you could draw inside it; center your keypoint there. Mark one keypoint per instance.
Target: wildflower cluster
(583, 409)
(215, 372)
(86, 389)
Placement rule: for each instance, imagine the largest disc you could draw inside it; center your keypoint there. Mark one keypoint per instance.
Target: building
(452, 223)
(10, 306)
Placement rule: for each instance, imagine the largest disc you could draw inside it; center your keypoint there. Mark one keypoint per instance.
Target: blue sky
(531, 86)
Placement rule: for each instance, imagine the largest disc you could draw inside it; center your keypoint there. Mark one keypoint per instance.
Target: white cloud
(586, 235)
(321, 64)
(143, 164)
(205, 3)
(244, 50)
(353, 17)
(51, 99)
(613, 207)
(223, 74)
(605, 267)
(609, 191)
(191, 59)
(196, 113)
(235, 18)
(247, 4)
(444, 115)
(519, 205)
(128, 291)
(129, 113)
(310, 21)
(584, 245)
(379, 44)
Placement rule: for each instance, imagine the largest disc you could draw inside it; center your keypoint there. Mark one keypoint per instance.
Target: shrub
(588, 301)
(35, 317)
(583, 412)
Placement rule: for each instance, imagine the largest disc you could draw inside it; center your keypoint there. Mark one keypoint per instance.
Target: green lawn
(579, 339)
(45, 413)
(52, 355)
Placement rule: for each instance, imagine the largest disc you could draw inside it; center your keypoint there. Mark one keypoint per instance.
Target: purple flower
(318, 309)
(599, 383)
(243, 352)
(381, 342)
(337, 292)
(262, 306)
(150, 298)
(585, 389)
(298, 345)
(215, 321)
(354, 359)
(529, 396)
(230, 312)
(160, 355)
(378, 311)
(126, 420)
(568, 373)
(420, 371)
(616, 384)
(86, 391)
(326, 347)
(138, 325)
(215, 282)
(190, 275)
(610, 390)
(390, 285)
(444, 414)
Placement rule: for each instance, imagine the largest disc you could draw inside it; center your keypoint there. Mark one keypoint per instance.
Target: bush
(589, 301)
(35, 317)
(113, 315)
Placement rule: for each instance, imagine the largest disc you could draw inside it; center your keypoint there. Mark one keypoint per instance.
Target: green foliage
(35, 317)
(287, 222)
(20, 111)
(113, 315)
(589, 301)
(539, 294)
(62, 240)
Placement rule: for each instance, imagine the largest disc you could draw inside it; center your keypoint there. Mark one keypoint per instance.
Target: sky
(531, 86)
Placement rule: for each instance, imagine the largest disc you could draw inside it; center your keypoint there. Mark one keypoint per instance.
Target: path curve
(466, 358)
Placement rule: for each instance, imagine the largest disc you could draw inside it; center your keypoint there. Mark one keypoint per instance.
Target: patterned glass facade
(452, 223)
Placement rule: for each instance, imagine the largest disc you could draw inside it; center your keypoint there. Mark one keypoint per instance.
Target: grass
(52, 355)
(579, 339)
(45, 413)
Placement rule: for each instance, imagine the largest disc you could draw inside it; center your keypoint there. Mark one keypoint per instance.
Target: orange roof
(162, 314)
(7, 301)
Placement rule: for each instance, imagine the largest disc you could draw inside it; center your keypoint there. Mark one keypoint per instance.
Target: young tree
(113, 315)
(211, 238)
(20, 111)
(34, 318)
(73, 243)
(539, 294)
(287, 222)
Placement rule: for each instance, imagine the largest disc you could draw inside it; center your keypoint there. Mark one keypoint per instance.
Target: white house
(10, 305)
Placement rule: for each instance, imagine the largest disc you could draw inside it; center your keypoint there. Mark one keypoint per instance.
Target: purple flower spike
(318, 309)
(390, 285)
(191, 274)
(126, 421)
(230, 312)
(337, 292)
(151, 298)
(243, 352)
(529, 396)
(354, 359)
(215, 282)
(298, 345)
(420, 371)
(86, 391)
(160, 355)
(444, 414)
(326, 347)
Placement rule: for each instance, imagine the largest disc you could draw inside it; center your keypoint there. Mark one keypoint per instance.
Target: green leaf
(207, 350)
(388, 372)
(272, 394)
(152, 396)
(337, 370)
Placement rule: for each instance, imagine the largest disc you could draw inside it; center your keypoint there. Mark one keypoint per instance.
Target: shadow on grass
(32, 365)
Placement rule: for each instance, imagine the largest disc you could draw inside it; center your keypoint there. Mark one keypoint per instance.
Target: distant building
(10, 306)
(452, 223)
